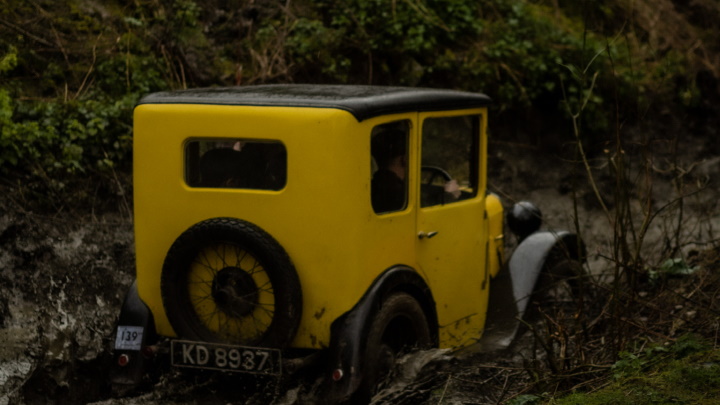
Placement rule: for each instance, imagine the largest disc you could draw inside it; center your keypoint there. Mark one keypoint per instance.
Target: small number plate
(215, 356)
(129, 338)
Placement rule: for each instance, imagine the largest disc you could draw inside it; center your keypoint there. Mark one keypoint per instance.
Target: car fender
(134, 313)
(531, 256)
(349, 332)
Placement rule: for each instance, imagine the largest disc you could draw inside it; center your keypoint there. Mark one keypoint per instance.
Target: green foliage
(65, 113)
(632, 364)
(55, 139)
(526, 50)
(527, 399)
(68, 86)
(700, 376)
(525, 55)
(312, 43)
(671, 268)
(687, 371)
(388, 26)
(9, 60)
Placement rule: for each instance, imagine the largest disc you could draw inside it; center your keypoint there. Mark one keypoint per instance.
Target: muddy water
(62, 281)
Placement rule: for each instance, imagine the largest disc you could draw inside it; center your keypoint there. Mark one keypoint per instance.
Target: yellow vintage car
(275, 223)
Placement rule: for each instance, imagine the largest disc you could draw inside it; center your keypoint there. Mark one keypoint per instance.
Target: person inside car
(389, 188)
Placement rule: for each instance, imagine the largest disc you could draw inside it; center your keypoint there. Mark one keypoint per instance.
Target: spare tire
(226, 280)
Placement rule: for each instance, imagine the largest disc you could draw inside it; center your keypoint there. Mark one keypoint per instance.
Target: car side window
(449, 160)
(389, 149)
(236, 163)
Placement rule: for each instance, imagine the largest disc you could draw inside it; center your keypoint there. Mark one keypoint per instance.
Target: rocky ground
(62, 281)
(63, 278)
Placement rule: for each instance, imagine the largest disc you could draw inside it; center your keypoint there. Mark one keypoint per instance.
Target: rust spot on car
(319, 313)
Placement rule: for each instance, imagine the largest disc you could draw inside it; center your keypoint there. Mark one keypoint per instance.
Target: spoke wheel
(226, 280)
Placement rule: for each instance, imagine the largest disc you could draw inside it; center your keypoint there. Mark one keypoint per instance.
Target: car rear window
(236, 163)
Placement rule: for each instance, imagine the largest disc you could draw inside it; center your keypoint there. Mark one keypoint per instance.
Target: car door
(451, 225)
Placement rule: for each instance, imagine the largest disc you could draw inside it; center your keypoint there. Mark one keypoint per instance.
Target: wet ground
(61, 284)
(63, 278)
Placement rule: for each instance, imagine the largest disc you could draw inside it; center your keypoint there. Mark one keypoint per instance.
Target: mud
(61, 282)
(63, 278)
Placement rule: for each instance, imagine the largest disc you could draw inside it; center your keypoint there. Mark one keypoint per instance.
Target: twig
(504, 389)
(485, 381)
(583, 156)
(447, 383)
(90, 69)
(27, 33)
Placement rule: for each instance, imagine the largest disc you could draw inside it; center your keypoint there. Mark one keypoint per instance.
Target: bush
(66, 112)
(68, 87)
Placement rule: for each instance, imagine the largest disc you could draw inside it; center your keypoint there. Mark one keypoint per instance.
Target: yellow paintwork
(496, 256)
(323, 216)
(453, 260)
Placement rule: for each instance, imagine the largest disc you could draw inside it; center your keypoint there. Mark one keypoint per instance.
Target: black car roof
(363, 102)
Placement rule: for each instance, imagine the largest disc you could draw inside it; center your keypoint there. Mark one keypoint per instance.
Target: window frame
(408, 127)
(475, 161)
(191, 161)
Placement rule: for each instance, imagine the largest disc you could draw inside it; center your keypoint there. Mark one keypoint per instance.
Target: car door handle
(423, 235)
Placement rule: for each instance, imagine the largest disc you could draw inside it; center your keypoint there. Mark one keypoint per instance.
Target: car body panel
(322, 217)
(363, 102)
(496, 237)
(453, 259)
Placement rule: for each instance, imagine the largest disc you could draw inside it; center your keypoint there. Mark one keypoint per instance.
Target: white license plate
(129, 338)
(223, 357)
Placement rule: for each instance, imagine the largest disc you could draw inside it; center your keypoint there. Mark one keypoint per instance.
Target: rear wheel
(563, 312)
(399, 326)
(561, 293)
(562, 281)
(226, 280)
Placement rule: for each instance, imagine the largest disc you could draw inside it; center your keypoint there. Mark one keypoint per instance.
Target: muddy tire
(399, 326)
(226, 280)
(563, 279)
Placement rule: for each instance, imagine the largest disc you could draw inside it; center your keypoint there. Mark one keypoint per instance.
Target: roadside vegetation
(615, 88)
(67, 86)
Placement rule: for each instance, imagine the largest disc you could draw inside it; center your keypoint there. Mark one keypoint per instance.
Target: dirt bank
(62, 279)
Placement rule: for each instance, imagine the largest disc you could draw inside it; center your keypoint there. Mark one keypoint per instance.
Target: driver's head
(387, 145)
